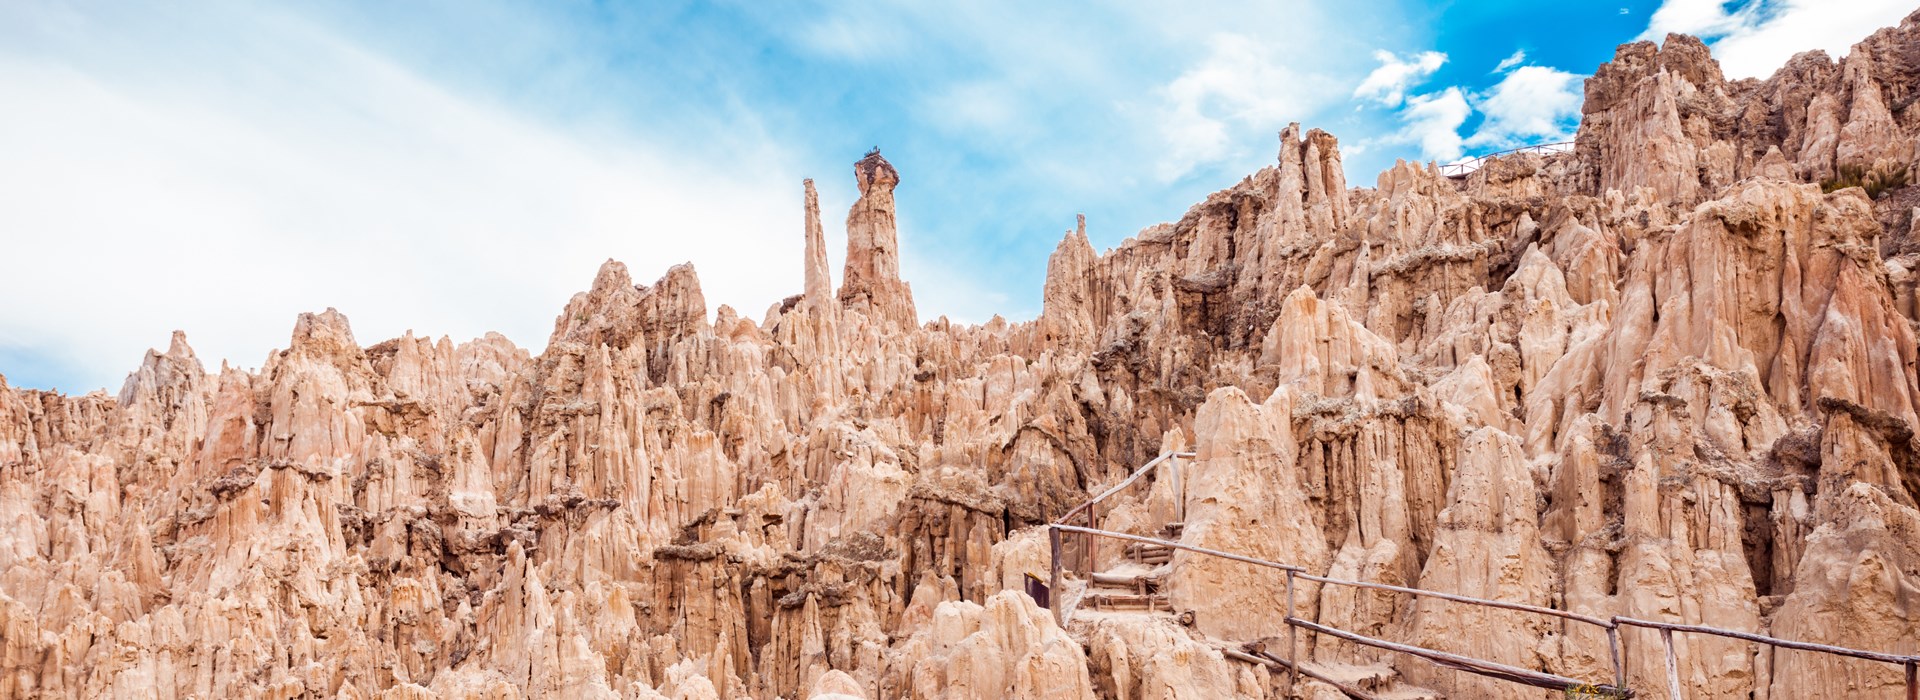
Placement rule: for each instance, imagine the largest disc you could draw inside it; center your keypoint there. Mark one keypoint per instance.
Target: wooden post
(1293, 636)
(1913, 680)
(1613, 646)
(1093, 544)
(1053, 590)
(1673, 665)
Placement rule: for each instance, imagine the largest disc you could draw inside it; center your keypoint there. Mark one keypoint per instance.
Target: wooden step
(1402, 691)
(1370, 677)
(1174, 530)
(1134, 582)
(1099, 601)
(1142, 549)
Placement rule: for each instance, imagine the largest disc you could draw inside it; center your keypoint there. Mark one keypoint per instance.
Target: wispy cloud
(1707, 18)
(1529, 105)
(1433, 122)
(150, 197)
(1388, 84)
(1519, 56)
(1239, 82)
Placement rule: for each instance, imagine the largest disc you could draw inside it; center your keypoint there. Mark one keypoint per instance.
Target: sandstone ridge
(1668, 375)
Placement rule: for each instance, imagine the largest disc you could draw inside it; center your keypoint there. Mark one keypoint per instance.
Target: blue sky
(458, 167)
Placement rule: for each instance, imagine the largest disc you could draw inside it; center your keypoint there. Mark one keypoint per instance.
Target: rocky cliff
(1669, 375)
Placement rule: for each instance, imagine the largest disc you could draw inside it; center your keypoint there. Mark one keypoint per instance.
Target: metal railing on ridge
(1491, 669)
(1467, 167)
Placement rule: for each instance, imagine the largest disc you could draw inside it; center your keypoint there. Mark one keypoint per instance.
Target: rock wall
(1665, 375)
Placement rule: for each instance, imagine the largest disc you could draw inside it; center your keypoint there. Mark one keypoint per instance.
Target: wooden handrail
(1176, 545)
(1523, 607)
(1302, 573)
(1773, 641)
(1485, 668)
(1490, 669)
(1137, 473)
(1610, 624)
(1261, 657)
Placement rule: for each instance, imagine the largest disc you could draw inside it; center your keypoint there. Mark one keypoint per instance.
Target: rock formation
(1670, 375)
(872, 284)
(819, 288)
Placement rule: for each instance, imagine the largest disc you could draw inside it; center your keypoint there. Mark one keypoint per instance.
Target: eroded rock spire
(872, 282)
(819, 280)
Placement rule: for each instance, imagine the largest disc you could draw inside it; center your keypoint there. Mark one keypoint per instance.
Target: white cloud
(1388, 84)
(1704, 18)
(1530, 105)
(1240, 82)
(147, 198)
(1519, 56)
(1755, 39)
(1433, 122)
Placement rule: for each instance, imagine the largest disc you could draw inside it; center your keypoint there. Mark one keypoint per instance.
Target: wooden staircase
(1128, 588)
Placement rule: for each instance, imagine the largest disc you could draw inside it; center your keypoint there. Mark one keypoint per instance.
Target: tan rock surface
(1665, 376)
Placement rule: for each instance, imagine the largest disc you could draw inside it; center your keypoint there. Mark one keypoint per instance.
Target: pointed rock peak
(819, 279)
(1066, 301)
(1312, 183)
(612, 276)
(326, 331)
(171, 374)
(178, 355)
(1289, 137)
(1687, 56)
(178, 347)
(1302, 296)
(1324, 140)
(674, 306)
(871, 283)
(603, 314)
(875, 170)
(680, 277)
(1073, 247)
(1069, 266)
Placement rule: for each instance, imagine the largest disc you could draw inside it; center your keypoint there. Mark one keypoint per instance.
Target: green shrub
(1881, 178)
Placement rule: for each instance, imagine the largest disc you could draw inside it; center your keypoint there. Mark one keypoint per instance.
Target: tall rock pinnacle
(872, 283)
(819, 280)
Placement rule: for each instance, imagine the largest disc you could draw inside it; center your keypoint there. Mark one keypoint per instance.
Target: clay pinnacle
(871, 283)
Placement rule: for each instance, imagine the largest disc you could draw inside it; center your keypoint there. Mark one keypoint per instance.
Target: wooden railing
(1466, 167)
(1482, 667)
(1092, 507)
(1910, 662)
(1491, 669)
